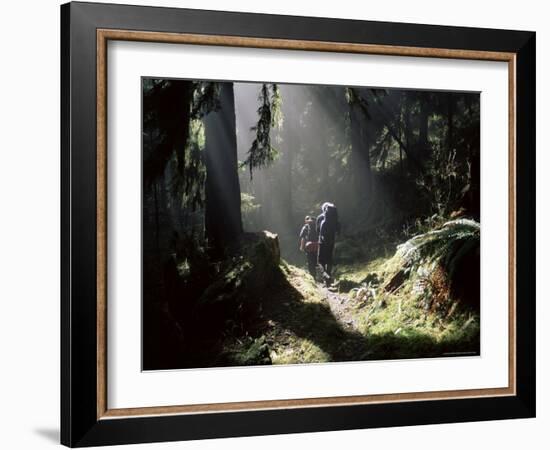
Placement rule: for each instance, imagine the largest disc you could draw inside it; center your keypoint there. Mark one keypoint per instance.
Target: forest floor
(305, 321)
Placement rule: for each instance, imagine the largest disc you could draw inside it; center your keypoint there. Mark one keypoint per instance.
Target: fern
(445, 246)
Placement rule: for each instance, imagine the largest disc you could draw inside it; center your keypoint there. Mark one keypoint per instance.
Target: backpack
(312, 247)
(311, 239)
(329, 223)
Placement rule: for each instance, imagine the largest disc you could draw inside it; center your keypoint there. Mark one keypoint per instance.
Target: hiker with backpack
(309, 244)
(327, 227)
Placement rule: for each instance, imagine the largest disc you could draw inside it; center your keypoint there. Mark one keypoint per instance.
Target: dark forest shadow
(202, 338)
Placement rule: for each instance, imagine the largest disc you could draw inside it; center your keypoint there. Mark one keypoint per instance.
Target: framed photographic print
(276, 224)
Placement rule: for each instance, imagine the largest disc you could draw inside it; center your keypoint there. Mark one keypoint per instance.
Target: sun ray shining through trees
(301, 223)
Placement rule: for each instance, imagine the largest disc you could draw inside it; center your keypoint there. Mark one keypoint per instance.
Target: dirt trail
(340, 306)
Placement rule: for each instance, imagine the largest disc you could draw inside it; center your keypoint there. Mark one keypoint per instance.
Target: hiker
(309, 244)
(327, 226)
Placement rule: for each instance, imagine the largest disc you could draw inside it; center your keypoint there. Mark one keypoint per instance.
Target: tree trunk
(400, 135)
(408, 128)
(223, 223)
(360, 156)
(157, 221)
(288, 157)
(423, 150)
(319, 139)
(172, 107)
(450, 118)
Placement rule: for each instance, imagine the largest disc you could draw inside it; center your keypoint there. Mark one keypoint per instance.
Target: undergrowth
(393, 306)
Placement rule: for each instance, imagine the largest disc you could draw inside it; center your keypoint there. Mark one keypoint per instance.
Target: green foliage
(241, 277)
(419, 151)
(304, 326)
(188, 185)
(195, 169)
(262, 153)
(164, 121)
(444, 180)
(248, 352)
(276, 107)
(444, 246)
(206, 98)
(247, 204)
(249, 211)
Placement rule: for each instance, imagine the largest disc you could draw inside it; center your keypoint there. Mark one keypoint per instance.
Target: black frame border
(79, 423)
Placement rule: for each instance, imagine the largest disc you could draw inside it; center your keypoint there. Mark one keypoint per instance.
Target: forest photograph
(301, 224)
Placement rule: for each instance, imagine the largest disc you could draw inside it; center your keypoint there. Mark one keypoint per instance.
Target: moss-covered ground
(362, 316)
